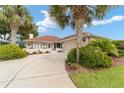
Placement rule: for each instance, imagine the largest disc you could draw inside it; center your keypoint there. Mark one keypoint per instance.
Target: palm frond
(101, 10)
(59, 14)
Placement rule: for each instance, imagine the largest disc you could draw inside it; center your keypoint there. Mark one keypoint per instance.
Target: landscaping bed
(115, 62)
(99, 78)
(101, 65)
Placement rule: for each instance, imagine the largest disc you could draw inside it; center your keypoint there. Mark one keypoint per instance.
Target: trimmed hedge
(91, 57)
(22, 46)
(10, 51)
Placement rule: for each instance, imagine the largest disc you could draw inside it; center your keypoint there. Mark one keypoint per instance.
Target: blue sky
(112, 26)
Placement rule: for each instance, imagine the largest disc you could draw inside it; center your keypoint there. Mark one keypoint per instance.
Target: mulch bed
(82, 69)
(118, 61)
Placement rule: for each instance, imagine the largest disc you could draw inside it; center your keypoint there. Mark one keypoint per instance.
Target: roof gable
(46, 38)
(74, 35)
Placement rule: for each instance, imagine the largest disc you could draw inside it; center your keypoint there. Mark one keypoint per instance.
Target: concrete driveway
(36, 71)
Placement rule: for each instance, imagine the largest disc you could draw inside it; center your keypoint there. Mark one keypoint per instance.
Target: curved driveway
(41, 70)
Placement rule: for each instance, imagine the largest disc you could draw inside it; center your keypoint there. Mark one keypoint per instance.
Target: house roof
(74, 35)
(50, 38)
(45, 38)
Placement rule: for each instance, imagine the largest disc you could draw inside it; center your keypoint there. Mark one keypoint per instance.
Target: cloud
(42, 29)
(108, 21)
(46, 23)
(44, 12)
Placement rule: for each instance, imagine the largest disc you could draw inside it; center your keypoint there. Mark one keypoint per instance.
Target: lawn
(109, 78)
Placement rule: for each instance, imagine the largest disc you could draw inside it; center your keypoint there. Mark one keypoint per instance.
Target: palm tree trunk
(13, 37)
(77, 53)
(78, 29)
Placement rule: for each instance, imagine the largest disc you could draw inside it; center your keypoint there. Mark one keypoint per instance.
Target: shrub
(106, 45)
(71, 57)
(47, 52)
(90, 57)
(119, 44)
(34, 52)
(59, 51)
(121, 53)
(10, 51)
(22, 46)
(93, 57)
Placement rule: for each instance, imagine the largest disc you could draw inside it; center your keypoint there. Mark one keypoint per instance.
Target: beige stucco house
(69, 42)
(53, 43)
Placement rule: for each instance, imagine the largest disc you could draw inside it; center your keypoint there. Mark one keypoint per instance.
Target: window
(84, 39)
(48, 45)
(59, 45)
(43, 44)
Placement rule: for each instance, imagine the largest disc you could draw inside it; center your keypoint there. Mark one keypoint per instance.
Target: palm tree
(77, 16)
(15, 16)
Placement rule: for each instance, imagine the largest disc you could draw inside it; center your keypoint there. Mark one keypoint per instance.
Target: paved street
(36, 71)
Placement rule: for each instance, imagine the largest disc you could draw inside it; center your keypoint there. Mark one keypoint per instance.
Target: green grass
(109, 78)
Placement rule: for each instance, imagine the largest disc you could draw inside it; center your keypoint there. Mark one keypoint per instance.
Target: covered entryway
(57, 45)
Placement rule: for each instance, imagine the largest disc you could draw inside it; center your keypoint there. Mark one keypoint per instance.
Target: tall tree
(24, 31)
(15, 16)
(77, 16)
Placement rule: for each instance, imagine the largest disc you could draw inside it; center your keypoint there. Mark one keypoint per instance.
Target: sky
(112, 26)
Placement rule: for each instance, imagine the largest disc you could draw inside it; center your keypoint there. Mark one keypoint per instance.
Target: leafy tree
(77, 16)
(15, 16)
(4, 30)
(24, 32)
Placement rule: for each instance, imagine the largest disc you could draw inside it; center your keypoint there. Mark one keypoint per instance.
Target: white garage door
(68, 45)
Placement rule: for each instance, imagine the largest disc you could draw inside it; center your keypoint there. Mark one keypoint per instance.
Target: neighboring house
(2, 42)
(53, 43)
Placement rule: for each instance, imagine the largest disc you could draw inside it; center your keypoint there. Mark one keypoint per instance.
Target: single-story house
(49, 43)
(2, 42)
(53, 43)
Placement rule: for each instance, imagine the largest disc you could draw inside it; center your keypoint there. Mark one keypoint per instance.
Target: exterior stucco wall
(69, 44)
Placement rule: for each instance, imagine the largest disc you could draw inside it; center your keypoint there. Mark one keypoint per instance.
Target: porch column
(34, 46)
(39, 45)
